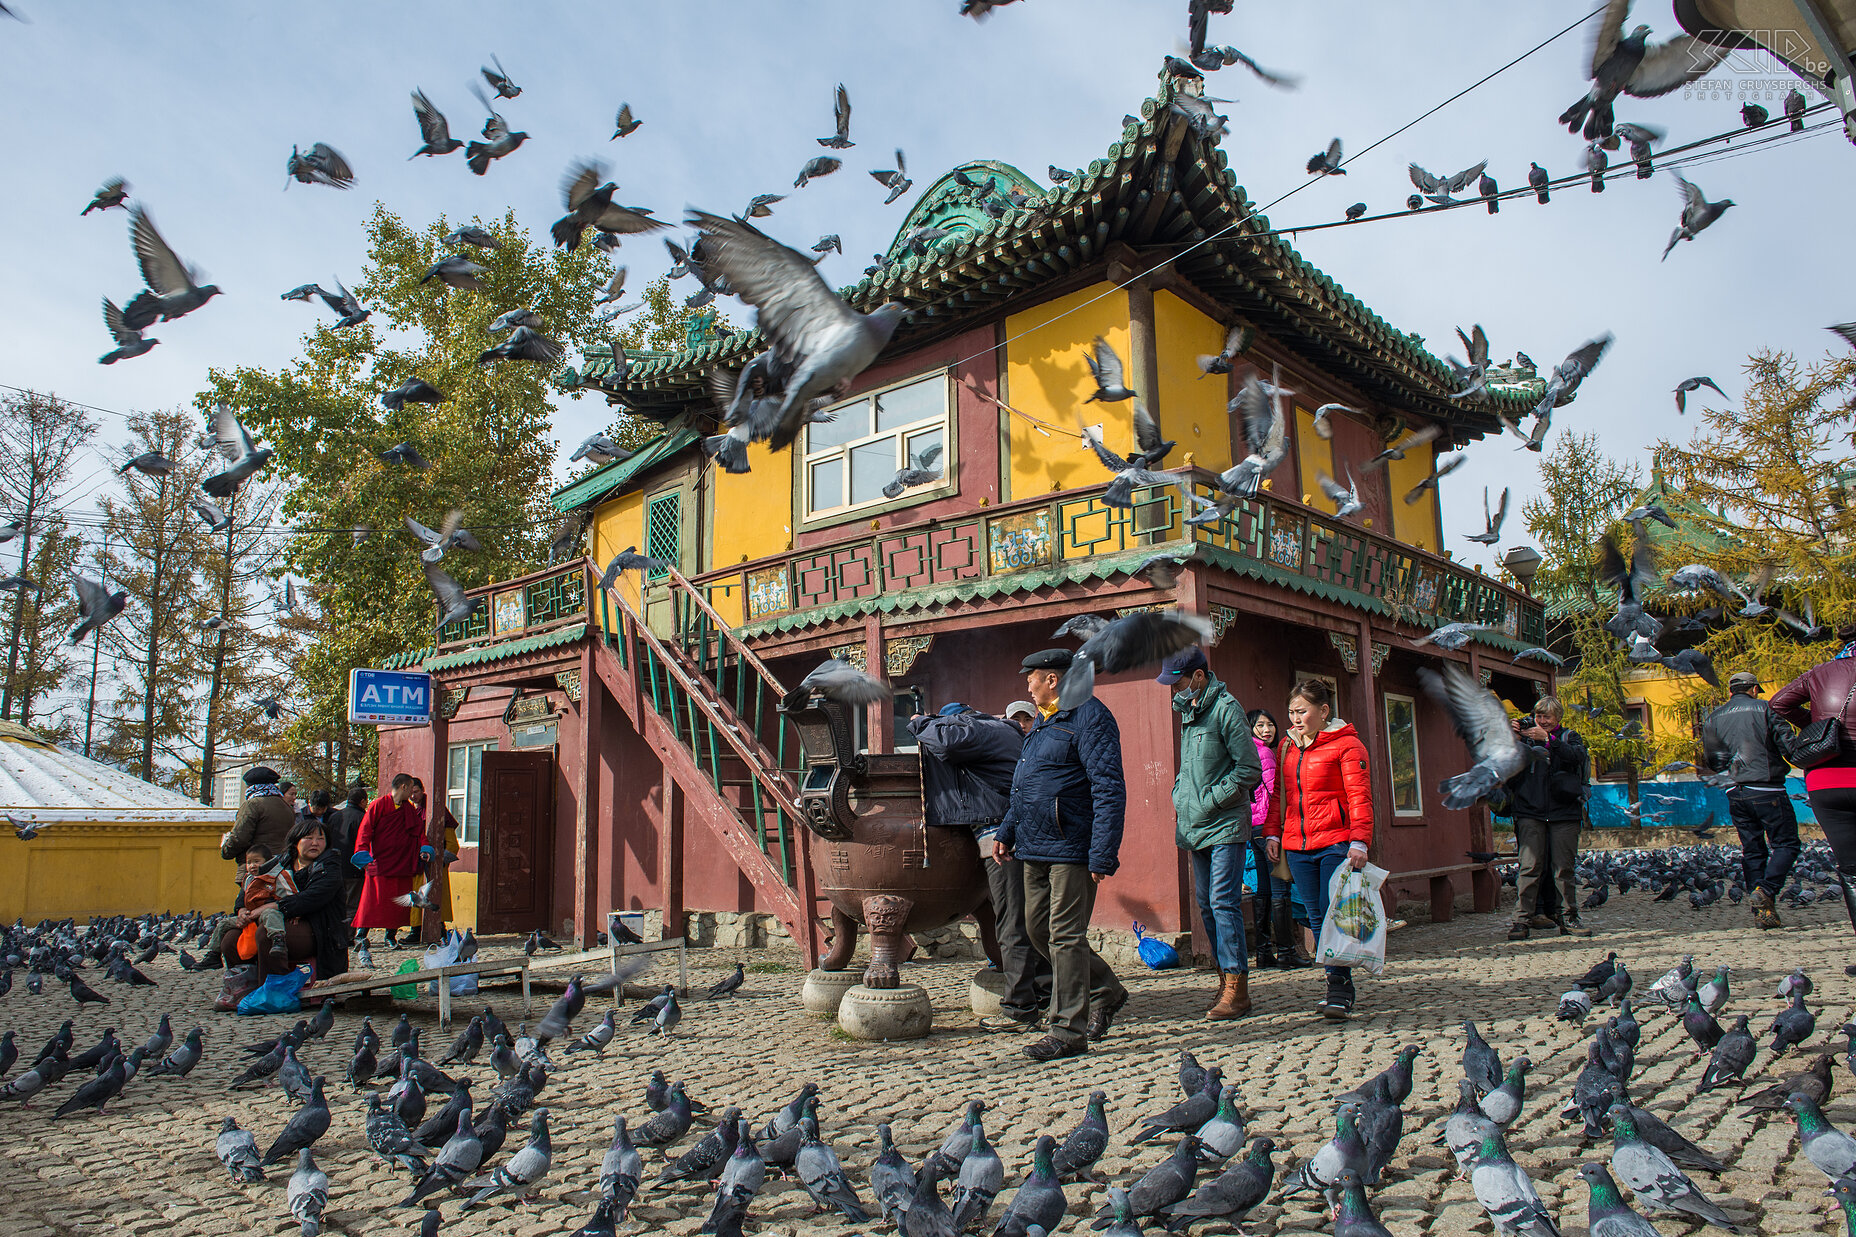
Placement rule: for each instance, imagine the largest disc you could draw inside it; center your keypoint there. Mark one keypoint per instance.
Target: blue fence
(1681, 805)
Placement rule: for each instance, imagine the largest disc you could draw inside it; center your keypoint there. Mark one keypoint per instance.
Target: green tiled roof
(1158, 189)
(609, 477)
(432, 661)
(1099, 567)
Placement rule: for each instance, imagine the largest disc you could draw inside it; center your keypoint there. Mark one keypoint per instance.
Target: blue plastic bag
(278, 994)
(1158, 955)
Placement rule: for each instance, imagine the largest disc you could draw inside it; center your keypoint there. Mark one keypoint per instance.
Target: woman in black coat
(321, 899)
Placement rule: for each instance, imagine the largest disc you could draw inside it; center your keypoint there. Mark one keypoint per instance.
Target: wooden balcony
(1264, 538)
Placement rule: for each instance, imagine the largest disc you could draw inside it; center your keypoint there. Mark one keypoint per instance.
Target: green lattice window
(663, 530)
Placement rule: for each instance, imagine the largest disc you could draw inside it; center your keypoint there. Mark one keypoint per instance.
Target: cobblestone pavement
(147, 1164)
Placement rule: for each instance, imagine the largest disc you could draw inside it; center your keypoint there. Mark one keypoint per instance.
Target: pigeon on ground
(1163, 1185)
(1832, 1150)
(621, 1170)
(1814, 1081)
(669, 1125)
(390, 1139)
(1652, 1176)
(704, 1161)
(308, 1193)
(1607, 1214)
(303, 1129)
(1732, 1055)
(1223, 1136)
(523, 1169)
(238, 1151)
(1039, 1202)
(1797, 982)
(1575, 1006)
(1083, 1146)
(823, 1177)
(97, 1091)
(82, 992)
(1793, 1025)
(729, 985)
(892, 1181)
(1507, 1193)
(1346, 1150)
(1504, 1103)
(457, 1160)
(741, 1180)
(180, 1062)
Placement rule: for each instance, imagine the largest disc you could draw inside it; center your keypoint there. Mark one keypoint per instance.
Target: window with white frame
(849, 459)
(464, 787)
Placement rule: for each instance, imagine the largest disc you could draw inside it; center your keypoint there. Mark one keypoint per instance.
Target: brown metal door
(517, 822)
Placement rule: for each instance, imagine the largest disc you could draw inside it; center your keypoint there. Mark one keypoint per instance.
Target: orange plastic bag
(248, 942)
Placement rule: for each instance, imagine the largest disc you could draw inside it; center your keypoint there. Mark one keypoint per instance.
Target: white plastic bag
(1353, 933)
(445, 953)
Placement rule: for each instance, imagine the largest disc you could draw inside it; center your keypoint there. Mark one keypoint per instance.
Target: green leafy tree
(156, 543)
(43, 436)
(489, 446)
(1583, 492)
(1771, 482)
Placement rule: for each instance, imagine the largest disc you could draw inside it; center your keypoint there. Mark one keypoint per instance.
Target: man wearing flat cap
(1746, 741)
(1064, 824)
(265, 816)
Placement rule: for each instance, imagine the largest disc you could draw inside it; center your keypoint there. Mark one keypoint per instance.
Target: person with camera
(1549, 807)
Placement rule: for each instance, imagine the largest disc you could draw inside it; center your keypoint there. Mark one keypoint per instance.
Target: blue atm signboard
(389, 698)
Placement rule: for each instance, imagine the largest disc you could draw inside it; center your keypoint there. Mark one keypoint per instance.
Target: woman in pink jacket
(1275, 943)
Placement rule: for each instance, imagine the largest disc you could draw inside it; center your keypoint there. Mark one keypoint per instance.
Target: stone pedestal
(902, 1012)
(824, 989)
(987, 991)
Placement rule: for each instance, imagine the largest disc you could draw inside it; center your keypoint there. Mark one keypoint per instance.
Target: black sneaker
(1050, 1048)
(1102, 1015)
(1339, 1000)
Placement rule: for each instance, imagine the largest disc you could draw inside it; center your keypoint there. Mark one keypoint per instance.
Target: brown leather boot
(1234, 1000)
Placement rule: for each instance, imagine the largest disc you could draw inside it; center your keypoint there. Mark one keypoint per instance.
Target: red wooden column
(586, 801)
(431, 926)
(880, 720)
(1369, 720)
(1193, 598)
(670, 859)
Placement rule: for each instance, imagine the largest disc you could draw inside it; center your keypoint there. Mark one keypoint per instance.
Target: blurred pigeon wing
(161, 269)
(794, 305)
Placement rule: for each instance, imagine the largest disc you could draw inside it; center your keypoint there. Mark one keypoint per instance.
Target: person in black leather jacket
(1749, 743)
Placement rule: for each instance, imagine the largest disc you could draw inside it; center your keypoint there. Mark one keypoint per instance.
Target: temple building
(621, 750)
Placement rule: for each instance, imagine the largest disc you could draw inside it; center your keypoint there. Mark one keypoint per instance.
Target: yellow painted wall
(1658, 689)
(616, 524)
(87, 869)
(463, 899)
(1415, 524)
(1048, 378)
(753, 518)
(1192, 406)
(1313, 454)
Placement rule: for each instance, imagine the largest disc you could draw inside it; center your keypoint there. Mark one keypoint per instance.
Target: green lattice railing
(526, 604)
(1263, 537)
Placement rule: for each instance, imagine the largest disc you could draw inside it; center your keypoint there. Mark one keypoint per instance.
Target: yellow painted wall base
(85, 870)
(464, 900)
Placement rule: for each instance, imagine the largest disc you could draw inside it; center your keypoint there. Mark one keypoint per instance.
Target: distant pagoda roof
(1160, 190)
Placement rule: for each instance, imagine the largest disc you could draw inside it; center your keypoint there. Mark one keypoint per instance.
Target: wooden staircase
(709, 708)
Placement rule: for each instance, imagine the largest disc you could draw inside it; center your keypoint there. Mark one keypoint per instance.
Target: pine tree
(43, 436)
(45, 662)
(156, 545)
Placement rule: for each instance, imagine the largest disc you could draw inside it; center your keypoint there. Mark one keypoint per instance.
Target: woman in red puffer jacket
(1325, 817)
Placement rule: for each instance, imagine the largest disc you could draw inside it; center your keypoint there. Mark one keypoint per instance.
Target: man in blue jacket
(1064, 824)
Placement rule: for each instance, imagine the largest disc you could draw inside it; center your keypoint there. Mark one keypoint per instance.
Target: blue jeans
(1218, 882)
(1312, 870)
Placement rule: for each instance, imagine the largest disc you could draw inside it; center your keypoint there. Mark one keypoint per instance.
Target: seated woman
(320, 903)
(255, 932)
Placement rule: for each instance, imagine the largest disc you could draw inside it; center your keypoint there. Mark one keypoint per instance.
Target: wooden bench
(385, 980)
(609, 957)
(1443, 891)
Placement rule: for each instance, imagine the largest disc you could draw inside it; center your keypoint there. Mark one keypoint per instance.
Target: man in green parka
(1218, 770)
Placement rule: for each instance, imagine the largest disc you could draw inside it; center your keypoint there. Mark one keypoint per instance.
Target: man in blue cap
(1218, 770)
(1064, 824)
(967, 762)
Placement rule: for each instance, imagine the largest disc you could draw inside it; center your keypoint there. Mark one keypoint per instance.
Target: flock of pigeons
(1217, 1169)
(1706, 873)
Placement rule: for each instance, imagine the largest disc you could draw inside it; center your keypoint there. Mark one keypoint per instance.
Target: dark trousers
(1549, 851)
(1261, 898)
(1313, 871)
(1027, 972)
(1768, 828)
(1835, 809)
(1058, 900)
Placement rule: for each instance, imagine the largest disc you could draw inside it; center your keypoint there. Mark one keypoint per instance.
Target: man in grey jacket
(265, 816)
(968, 759)
(1746, 741)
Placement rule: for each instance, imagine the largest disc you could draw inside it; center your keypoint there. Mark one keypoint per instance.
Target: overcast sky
(198, 105)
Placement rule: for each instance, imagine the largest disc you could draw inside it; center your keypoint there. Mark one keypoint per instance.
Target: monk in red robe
(389, 848)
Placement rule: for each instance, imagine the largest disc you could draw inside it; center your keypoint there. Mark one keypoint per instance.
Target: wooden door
(517, 827)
